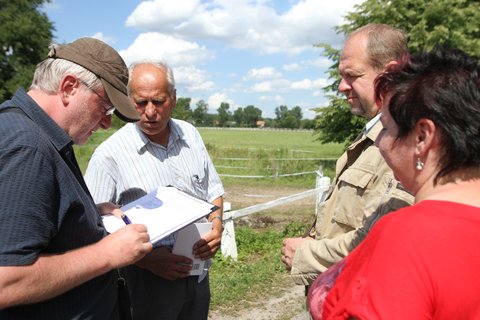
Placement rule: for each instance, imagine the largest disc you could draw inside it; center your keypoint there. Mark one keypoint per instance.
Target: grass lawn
(258, 151)
(300, 143)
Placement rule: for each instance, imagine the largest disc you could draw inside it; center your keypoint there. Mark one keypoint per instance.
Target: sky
(243, 52)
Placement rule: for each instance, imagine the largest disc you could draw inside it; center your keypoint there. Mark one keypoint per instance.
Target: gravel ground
(289, 306)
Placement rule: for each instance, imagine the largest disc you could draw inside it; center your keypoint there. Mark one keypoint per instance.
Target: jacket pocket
(350, 204)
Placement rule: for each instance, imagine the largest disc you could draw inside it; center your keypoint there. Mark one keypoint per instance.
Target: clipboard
(164, 211)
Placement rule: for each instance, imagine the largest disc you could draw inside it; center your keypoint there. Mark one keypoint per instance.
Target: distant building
(260, 123)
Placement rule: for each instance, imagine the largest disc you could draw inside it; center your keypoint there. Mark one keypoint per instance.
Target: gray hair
(158, 64)
(50, 72)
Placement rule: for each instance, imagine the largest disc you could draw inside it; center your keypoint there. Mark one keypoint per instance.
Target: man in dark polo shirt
(56, 259)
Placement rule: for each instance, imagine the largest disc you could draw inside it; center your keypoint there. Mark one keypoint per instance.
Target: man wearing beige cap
(56, 259)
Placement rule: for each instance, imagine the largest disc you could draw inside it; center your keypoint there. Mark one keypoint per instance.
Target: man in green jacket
(364, 187)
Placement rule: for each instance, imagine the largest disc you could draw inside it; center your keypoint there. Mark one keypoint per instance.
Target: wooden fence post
(275, 169)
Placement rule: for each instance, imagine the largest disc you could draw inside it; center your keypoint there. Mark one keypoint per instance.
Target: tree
(297, 113)
(286, 118)
(239, 117)
(182, 110)
(251, 115)
(290, 122)
(451, 23)
(336, 123)
(281, 112)
(209, 120)
(25, 34)
(307, 124)
(200, 113)
(224, 115)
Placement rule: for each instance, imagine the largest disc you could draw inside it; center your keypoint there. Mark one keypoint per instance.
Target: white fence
(255, 129)
(229, 246)
(275, 167)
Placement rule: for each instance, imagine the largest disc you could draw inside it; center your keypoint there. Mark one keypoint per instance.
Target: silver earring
(419, 164)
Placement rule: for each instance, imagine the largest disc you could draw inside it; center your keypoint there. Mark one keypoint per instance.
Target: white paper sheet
(163, 211)
(186, 238)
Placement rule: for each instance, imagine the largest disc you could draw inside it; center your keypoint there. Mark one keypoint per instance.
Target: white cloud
(277, 99)
(265, 86)
(245, 24)
(277, 85)
(321, 62)
(304, 84)
(102, 37)
(191, 79)
(216, 99)
(262, 73)
(292, 67)
(174, 51)
(308, 84)
(320, 83)
(161, 14)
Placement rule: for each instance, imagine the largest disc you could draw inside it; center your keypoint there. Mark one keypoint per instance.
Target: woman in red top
(423, 261)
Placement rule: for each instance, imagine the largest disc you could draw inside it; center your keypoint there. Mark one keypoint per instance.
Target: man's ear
(391, 63)
(69, 85)
(424, 136)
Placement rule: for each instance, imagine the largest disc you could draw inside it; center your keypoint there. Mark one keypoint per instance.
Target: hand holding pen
(126, 245)
(113, 209)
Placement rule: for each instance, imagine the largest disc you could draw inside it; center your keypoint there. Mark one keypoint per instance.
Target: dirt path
(242, 197)
(289, 304)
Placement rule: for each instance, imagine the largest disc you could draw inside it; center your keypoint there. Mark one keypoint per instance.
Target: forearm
(330, 251)
(315, 256)
(50, 275)
(216, 217)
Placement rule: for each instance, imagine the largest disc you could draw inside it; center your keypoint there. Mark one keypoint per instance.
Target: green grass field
(300, 143)
(254, 152)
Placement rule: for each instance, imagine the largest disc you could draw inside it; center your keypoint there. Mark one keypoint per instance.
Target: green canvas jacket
(364, 190)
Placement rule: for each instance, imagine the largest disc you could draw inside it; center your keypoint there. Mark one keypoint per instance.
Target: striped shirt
(128, 165)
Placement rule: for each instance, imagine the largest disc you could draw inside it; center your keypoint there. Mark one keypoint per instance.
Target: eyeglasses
(109, 109)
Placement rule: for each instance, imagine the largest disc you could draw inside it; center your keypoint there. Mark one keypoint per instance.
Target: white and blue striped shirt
(128, 165)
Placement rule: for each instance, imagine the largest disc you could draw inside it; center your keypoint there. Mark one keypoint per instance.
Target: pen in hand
(125, 219)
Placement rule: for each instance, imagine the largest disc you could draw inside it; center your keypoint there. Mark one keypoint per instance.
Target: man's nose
(150, 109)
(344, 86)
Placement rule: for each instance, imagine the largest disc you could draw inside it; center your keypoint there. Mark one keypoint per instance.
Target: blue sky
(244, 52)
